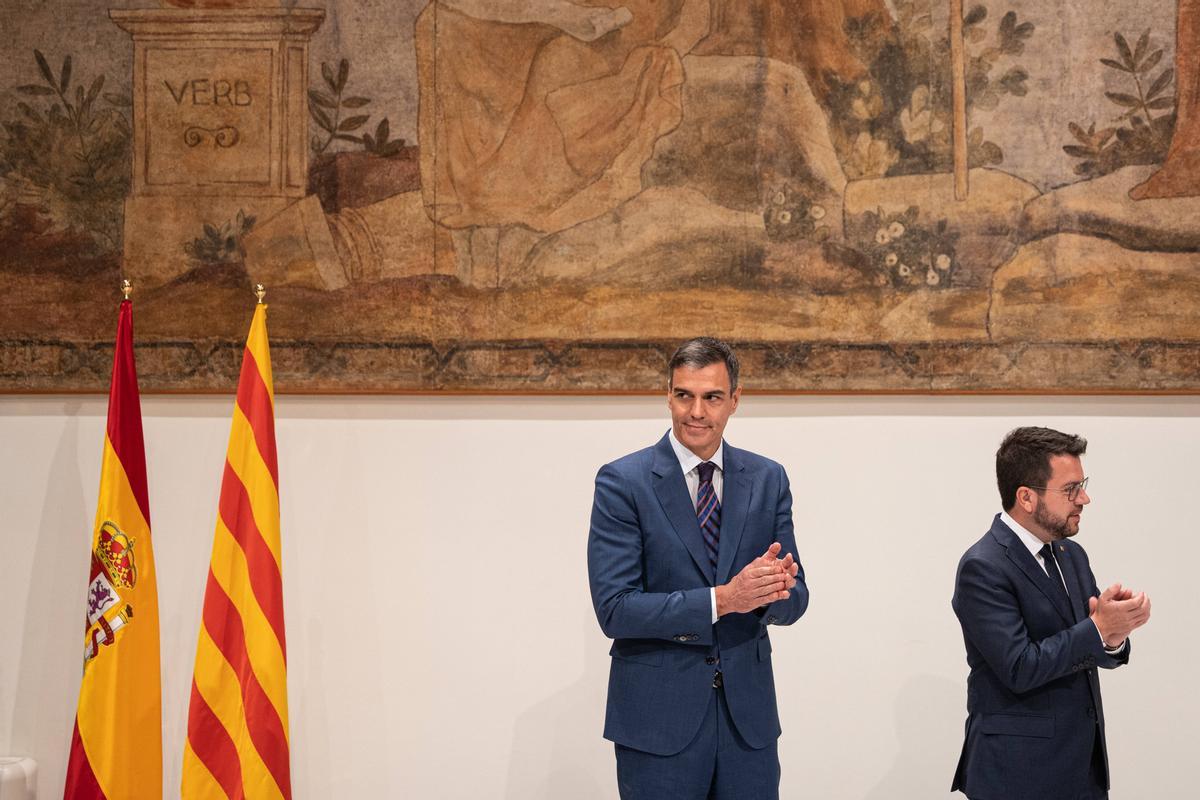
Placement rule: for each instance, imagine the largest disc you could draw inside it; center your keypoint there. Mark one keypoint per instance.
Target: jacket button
(710, 661)
(679, 637)
(772, 620)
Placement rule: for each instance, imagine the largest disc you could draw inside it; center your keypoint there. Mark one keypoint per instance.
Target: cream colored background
(440, 634)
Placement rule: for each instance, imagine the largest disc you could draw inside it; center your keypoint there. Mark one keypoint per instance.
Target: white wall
(440, 634)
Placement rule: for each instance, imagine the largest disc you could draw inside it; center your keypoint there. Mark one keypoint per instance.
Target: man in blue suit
(1036, 628)
(686, 573)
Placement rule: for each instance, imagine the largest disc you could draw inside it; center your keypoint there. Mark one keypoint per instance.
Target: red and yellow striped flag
(237, 736)
(116, 747)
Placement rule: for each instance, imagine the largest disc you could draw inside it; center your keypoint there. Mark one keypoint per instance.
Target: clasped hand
(1117, 612)
(764, 580)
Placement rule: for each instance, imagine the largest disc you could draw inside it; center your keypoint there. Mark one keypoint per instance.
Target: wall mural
(547, 195)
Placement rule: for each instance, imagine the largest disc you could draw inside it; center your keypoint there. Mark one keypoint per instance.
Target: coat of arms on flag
(113, 568)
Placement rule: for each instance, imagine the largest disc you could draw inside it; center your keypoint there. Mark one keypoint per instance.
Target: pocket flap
(1018, 725)
(644, 651)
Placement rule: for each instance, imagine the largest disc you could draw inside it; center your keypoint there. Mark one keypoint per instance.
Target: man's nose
(1083, 498)
(697, 409)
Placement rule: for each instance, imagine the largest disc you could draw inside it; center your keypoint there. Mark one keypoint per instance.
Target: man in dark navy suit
(1036, 628)
(691, 558)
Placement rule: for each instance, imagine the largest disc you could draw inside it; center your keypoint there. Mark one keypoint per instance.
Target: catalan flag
(237, 735)
(116, 746)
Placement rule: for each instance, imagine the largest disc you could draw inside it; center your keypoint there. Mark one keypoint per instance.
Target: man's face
(701, 403)
(1055, 513)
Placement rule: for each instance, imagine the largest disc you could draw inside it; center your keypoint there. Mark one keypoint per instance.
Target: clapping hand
(764, 580)
(1117, 612)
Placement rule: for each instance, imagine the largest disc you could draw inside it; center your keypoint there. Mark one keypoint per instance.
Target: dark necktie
(708, 512)
(1052, 570)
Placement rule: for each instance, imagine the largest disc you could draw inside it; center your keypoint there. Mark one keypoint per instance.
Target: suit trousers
(716, 765)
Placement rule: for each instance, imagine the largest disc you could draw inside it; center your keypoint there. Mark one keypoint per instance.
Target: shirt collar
(1033, 543)
(688, 460)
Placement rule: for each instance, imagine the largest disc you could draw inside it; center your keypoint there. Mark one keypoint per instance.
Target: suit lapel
(673, 496)
(1079, 597)
(1079, 605)
(735, 504)
(1020, 555)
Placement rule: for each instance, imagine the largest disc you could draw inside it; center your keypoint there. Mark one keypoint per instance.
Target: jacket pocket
(1018, 725)
(643, 651)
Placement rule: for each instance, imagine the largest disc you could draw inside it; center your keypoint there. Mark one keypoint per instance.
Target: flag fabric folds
(237, 734)
(116, 745)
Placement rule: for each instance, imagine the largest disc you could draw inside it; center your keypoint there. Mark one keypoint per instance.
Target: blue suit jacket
(1033, 695)
(650, 581)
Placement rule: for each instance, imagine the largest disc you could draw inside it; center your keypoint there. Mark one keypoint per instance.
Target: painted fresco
(546, 196)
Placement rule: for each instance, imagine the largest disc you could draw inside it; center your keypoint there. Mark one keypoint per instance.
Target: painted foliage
(546, 195)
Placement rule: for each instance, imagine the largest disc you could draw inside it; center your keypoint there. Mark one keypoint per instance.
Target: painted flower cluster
(790, 215)
(904, 253)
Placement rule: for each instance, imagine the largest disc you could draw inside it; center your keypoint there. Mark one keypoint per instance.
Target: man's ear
(737, 395)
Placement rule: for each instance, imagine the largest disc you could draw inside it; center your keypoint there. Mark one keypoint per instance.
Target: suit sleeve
(791, 608)
(623, 607)
(990, 614)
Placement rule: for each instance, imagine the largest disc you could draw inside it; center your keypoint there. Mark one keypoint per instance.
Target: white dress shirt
(1034, 545)
(689, 462)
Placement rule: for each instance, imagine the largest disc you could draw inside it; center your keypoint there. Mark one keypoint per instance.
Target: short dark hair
(702, 351)
(1024, 459)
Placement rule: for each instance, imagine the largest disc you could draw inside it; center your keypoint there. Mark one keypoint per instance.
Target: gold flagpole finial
(126, 287)
(259, 292)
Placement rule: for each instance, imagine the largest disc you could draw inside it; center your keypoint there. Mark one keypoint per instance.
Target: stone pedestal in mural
(220, 126)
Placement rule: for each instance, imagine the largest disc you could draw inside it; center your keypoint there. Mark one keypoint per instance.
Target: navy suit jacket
(650, 581)
(1033, 695)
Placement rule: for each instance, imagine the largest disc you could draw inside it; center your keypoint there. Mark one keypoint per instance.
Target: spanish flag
(237, 734)
(116, 747)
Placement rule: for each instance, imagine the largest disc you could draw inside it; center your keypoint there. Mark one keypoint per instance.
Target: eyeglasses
(1071, 490)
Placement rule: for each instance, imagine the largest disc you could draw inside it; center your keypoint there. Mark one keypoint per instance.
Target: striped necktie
(708, 512)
